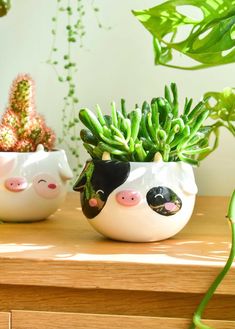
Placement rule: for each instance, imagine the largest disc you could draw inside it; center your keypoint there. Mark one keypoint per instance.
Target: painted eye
(46, 186)
(42, 180)
(100, 194)
(157, 195)
(163, 201)
(99, 191)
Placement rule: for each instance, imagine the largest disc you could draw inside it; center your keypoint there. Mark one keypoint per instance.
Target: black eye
(99, 192)
(101, 195)
(158, 197)
(42, 180)
(163, 200)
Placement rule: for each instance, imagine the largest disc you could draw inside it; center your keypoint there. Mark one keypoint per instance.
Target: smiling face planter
(32, 185)
(137, 202)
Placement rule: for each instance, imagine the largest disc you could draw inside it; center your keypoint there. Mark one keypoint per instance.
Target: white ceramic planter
(32, 185)
(137, 202)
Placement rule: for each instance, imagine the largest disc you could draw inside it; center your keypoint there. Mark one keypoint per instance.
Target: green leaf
(224, 104)
(162, 54)
(211, 39)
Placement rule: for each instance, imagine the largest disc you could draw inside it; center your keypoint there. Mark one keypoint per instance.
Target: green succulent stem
(157, 126)
(197, 321)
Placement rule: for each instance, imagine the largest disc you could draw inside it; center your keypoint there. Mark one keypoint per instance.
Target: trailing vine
(65, 66)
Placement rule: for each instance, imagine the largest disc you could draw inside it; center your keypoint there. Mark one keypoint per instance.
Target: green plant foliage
(22, 129)
(157, 127)
(197, 318)
(5, 6)
(210, 41)
(221, 106)
(70, 19)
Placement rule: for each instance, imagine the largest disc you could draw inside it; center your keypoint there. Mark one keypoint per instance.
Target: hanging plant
(65, 65)
(211, 38)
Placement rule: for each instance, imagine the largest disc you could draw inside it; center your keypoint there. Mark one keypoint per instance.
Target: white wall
(113, 64)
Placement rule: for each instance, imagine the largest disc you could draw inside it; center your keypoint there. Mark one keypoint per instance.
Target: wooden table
(60, 273)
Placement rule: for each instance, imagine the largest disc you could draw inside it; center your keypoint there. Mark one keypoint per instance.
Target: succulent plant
(158, 128)
(144, 132)
(22, 128)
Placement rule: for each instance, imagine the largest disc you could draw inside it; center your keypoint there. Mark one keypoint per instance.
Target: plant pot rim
(31, 152)
(141, 162)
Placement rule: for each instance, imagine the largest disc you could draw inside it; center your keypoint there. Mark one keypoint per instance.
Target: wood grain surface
(41, 320)
(59, 273)
(119, 302)
(78, 257)
(4, 320)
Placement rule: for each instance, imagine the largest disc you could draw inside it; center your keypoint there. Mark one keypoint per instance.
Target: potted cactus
(139, 184)
(33, 174)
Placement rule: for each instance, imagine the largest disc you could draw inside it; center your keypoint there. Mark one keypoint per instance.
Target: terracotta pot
(137, 202)
(33, 185)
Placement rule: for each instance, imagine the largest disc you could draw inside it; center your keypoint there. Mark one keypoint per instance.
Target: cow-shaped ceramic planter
(32, 185)
(135, 201)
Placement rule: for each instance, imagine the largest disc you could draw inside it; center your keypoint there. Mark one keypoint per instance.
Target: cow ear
(186, 179)
(80, 184)
(7, 164)
(84, 177)
(65, 171)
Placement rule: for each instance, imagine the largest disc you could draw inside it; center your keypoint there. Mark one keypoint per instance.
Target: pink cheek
(47, 190)
(170, 206)
(93, 202)
(52, 186)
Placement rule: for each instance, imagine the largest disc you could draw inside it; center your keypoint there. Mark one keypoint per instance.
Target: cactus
(22, 128)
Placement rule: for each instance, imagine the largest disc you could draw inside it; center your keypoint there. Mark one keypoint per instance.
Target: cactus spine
(21, 127)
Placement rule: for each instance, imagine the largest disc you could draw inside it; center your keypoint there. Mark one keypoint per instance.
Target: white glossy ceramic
(138, 222)
(32, 185)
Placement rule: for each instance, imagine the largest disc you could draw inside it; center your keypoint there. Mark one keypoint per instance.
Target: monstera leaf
(224, 104)
(222, 107)
(211, 38)
(4, 7)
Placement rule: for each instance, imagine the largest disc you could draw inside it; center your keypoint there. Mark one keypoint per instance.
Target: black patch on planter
(82, 179)
(97, 180)
(163, 200)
